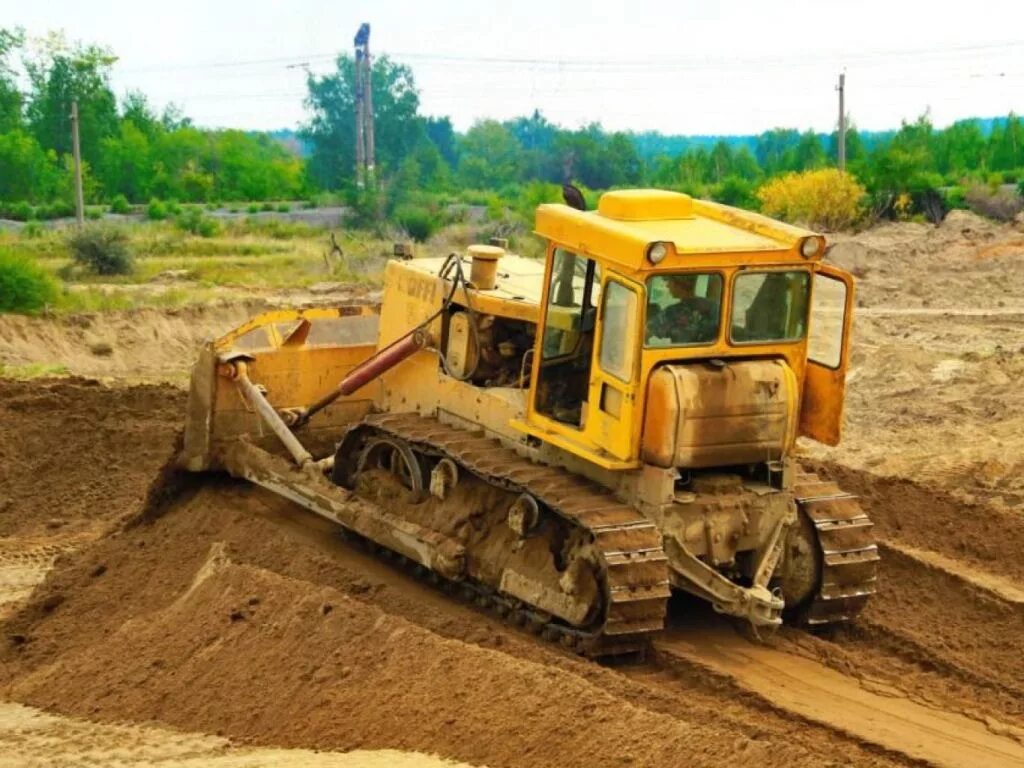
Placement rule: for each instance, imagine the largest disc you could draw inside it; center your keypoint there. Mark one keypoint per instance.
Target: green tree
(961, 148)
(29, 171)
(1007, 144)
(10, 96)
(809, 153)
(331, 128)
(489, 156)
(62, 74)
(776, 150)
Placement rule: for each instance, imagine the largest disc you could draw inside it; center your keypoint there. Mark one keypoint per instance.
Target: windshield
(769, 306)
(683, 309)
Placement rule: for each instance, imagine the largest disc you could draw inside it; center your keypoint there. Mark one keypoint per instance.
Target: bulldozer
(570, 440)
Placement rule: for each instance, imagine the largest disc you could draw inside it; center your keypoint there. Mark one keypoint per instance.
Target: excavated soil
(207, 606)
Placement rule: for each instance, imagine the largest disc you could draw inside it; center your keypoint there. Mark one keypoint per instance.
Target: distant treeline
(132, 152)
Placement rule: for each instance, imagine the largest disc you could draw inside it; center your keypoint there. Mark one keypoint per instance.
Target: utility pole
(364, 108)
(842, 122)
(77, 153)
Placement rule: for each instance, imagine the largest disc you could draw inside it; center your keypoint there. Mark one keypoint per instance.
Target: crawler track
(849, 555)
(628, 545)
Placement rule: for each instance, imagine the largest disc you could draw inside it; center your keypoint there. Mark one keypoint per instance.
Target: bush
(120, 205)
(267, 207)
(284, 208)
(94, 212)
(955, 198)
(1001, 205)
(24, 285)
(173, 207)
(418, 222)
(32, 230)
(253, 208)
(100, 249)
(156, 210)
(20, 211)
(195, 222)
(825, 198)
(736, 192)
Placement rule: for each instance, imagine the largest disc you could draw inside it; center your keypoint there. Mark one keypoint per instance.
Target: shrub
(156, 210)
(418, 222)
(737, 192)
(284, 208)
(268, 207)
(24, 285)
(100, 249)
(253, 208)
(824, 198)
(20, 211)
(1002, 205)
(120, 205)
(173, 207)
(94, 212)
(32, 230)
(955, 198)
(193, 220)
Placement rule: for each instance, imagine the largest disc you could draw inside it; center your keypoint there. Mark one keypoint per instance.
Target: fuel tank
(719, 413)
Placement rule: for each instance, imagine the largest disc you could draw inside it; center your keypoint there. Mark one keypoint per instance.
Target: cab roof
(627, 221)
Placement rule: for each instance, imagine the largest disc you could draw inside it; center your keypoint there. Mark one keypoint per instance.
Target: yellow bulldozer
(570, 439)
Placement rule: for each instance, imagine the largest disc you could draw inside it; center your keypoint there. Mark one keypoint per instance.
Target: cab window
(683, 309)
(569, 323)
(617, 323)
(769, 306)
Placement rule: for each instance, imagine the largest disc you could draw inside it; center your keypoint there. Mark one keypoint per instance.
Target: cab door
(613, 382)
(828, 354)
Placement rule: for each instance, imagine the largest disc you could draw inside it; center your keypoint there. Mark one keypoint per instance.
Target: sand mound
(154, 624)
(75, 455)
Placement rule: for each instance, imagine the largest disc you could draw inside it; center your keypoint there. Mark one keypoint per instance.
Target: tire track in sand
(871, 713)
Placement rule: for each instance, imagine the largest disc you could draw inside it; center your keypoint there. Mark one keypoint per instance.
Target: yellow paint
(700, 237)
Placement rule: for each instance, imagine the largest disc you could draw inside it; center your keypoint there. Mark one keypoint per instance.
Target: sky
(677, 67)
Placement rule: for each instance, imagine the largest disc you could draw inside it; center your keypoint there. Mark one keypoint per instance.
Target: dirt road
(225, 610)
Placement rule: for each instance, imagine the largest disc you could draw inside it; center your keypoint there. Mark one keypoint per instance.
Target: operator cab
(653, 279)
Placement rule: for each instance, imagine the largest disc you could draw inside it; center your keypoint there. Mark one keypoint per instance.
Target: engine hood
(717, 414)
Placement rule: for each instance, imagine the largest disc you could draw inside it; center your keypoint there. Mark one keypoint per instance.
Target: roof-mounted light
(656, 252)
(810, 247)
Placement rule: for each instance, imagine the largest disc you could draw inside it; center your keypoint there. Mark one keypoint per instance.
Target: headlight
(656, 252)
(810, 247)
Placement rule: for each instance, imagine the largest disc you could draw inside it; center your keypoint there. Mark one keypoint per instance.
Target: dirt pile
(247, 640)
(76, 455)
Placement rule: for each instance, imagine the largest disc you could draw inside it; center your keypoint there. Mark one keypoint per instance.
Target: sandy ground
(221, 609)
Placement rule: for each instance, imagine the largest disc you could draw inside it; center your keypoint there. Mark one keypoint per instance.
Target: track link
(628, 545)
(849, 555)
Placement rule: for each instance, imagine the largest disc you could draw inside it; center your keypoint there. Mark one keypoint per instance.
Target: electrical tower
(364, 108)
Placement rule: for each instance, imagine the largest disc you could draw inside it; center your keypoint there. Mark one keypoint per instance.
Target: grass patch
(33, 371)
(25, 287)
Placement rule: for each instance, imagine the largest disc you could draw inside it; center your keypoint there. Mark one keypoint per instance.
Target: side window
(573, 295)
(568, 342)
(828, 317)
(617, 319)
(769, 306)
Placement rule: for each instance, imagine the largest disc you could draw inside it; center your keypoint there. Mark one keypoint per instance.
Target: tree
(776, 150)
(489, 156)
(62, 74)
(331, 129)
(809, 154)
(442, 135)
(10, 96)
(1007, 144)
